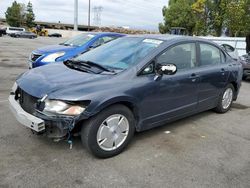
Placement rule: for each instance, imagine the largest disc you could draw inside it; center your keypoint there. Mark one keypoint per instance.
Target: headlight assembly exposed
(60, 107)
(53, 57)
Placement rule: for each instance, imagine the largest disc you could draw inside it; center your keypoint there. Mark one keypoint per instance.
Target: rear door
(213, 73)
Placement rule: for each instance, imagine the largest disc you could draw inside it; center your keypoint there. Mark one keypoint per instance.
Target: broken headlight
(63, 108)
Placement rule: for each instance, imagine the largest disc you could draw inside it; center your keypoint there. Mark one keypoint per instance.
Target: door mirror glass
(168, 69)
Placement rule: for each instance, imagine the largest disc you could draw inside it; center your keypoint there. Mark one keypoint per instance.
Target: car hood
(54, 79)
(55, 48)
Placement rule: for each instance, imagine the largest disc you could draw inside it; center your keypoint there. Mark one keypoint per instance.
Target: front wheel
(226, 99)
(109, 132)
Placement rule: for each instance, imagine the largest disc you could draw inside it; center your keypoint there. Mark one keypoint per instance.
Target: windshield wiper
(79, 67)
(89, 64)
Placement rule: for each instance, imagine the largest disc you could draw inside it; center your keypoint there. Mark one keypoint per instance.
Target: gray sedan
(24, 34)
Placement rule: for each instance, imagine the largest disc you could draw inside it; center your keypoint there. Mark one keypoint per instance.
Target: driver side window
(102, 41)
(182, 55)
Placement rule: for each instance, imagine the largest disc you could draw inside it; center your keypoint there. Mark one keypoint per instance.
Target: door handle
(194, 77)
(223, 71)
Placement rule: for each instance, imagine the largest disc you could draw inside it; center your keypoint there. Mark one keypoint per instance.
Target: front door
(172, 96)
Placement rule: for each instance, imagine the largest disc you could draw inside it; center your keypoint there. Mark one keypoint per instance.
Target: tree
(203, 17)
(199, 8)
(30, 16)
(234, 17)
(178, 14)
(13, 15)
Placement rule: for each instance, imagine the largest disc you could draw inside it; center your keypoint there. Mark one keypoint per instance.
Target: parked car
(131, 84)
(70, 48)
(25, 34)
(58, 35)
(11, 30)
(2, 32)
(231, 51)
(245, 61)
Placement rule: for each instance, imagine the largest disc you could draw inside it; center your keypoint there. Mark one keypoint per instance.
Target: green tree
(13, 15)
(203, 17)
(178, 14)
(30, 16)
(199, 8)
(234, 17)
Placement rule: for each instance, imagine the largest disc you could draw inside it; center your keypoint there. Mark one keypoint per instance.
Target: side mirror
(94, 46)
(168, 69)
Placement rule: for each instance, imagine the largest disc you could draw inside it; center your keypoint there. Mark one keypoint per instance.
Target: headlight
(53, 57)
(60, 107)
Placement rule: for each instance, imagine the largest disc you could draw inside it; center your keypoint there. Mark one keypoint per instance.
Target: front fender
(97, 106)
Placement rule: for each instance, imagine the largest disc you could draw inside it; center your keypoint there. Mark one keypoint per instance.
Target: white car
(10, 30)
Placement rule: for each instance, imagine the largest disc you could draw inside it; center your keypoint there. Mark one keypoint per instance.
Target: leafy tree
(203, 17)
(234, 17)
(13, 15)
(30, 16)
(200, 10)
(246, 18)
(178, 14)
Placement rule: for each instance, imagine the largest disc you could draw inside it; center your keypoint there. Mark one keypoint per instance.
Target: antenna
(97, 15)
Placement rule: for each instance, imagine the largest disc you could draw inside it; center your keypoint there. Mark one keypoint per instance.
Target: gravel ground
(205, 150)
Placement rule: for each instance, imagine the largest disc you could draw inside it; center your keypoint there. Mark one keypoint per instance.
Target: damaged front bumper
(55, 127)
(28, 120)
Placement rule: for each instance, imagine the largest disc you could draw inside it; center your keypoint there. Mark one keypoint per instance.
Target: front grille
(27, 102)
(34, 57)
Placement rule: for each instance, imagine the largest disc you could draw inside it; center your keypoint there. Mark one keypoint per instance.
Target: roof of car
(168, 37)
(103, 33)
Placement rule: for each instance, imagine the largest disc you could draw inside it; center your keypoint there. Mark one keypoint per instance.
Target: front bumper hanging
(57, 127)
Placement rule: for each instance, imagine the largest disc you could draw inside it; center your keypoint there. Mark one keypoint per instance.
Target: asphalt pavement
(205, 150)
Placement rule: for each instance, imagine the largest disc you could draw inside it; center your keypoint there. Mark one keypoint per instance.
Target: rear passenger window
(183, 56)
(209, 55)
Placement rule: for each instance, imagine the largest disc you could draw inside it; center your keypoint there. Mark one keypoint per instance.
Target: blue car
(70, 48)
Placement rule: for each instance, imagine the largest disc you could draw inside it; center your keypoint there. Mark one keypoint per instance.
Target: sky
(139, 14)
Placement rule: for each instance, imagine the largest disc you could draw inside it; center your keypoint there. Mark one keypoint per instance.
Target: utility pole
(89, 17)
(76, 15)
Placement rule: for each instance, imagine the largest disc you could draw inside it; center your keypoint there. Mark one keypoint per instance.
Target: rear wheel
(109, 132)
(226, 99)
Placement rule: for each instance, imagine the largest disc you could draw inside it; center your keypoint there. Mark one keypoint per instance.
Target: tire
(244, 77)
(224, 107)
(94, 128)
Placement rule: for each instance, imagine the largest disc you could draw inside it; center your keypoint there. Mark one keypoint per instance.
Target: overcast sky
(141, 14)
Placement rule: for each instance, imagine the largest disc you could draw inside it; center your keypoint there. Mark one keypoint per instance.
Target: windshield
(78, 40)
(121, 53)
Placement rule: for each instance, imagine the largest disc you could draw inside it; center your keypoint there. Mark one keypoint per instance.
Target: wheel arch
(236, 89)
(129, 102)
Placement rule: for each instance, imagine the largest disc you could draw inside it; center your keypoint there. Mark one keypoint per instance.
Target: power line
(97, 15)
